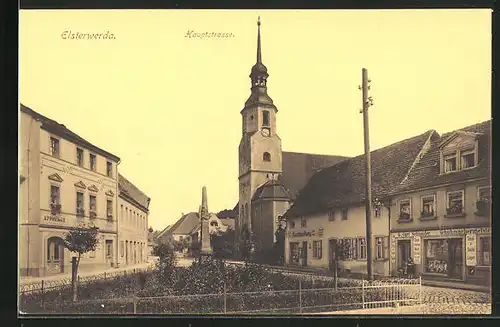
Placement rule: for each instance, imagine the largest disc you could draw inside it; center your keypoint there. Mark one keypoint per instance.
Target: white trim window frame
(456, 207)
(428, 210)
(449, 164)
(404, 206)
(470, 153)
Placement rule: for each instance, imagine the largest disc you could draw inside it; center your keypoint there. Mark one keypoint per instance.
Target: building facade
(65, 182)
(132, 223)
(442, 217)
(326, 225)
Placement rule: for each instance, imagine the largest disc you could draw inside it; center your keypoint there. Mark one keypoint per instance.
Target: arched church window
(266, 156)
(265, 118)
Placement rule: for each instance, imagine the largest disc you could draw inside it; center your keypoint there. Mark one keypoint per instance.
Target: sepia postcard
(260, 163)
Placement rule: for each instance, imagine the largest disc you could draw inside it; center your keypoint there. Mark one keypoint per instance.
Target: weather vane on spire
(258, 21)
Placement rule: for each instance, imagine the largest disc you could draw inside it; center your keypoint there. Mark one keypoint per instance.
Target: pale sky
(169, 106)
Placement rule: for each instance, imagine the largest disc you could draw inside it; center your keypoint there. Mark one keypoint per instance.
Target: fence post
(135, 304)
(104, 276)
(420, 290)
(43, 297)
(363, 292)
(300, 296)
(225, 299)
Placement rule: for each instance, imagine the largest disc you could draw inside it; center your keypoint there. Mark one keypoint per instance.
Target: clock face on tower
(266, 132)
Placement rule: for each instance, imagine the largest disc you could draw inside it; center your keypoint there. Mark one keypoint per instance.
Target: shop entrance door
(304, 253)
(404, 252)
(455, 258)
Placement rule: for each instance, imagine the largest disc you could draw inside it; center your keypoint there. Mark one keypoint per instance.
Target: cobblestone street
(438, 300)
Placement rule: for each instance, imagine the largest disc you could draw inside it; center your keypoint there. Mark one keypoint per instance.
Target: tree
(80, 240)
(222, 243)
(166, 263)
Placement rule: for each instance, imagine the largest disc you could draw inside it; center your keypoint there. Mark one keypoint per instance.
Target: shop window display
(436, 256)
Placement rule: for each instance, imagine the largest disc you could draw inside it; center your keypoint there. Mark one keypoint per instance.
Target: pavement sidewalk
(30, 279)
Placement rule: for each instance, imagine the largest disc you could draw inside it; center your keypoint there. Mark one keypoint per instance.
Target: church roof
(343, 184)
(426, 172)
(271, 190)
(298, 168)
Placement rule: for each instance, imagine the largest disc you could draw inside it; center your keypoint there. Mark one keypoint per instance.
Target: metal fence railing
(41, 286)
(368, 294)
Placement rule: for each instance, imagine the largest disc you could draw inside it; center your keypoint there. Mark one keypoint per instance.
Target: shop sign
(393, 249)
(54, 219)
(416, 250)
(443, 232)
(307, 233)
(470, 250)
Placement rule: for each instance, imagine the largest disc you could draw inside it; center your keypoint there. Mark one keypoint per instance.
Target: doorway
(455, 258)
(55, 255)
(294, 253)
(404, 252)
(109, 253)
(304, 253)
(332, 254)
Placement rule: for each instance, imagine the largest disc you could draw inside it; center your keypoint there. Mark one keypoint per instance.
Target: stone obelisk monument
(206, 249)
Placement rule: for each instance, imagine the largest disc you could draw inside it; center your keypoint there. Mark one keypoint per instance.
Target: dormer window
(450, 163)
(266, 156)
(459, 152)
(467, 159)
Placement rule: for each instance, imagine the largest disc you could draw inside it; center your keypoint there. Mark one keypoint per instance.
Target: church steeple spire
(259, 52)
(259, 77)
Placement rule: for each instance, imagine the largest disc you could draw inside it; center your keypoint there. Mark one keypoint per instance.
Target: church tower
(260, 157)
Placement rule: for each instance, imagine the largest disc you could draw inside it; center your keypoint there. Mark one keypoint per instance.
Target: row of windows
(348, 248)
(133, 217)
(55, 203)
(55, 151)
(462, 159)
(132, 251)
(455, 204)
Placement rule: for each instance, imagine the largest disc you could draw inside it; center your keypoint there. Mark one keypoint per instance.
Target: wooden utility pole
(367, 102)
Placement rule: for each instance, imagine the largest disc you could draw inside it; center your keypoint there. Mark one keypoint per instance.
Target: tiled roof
(298, 168)
(271, 190)
(427, 172)
(129, 190)
(61, 130)
(226, 213)
(344, 183)
(185, 224)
